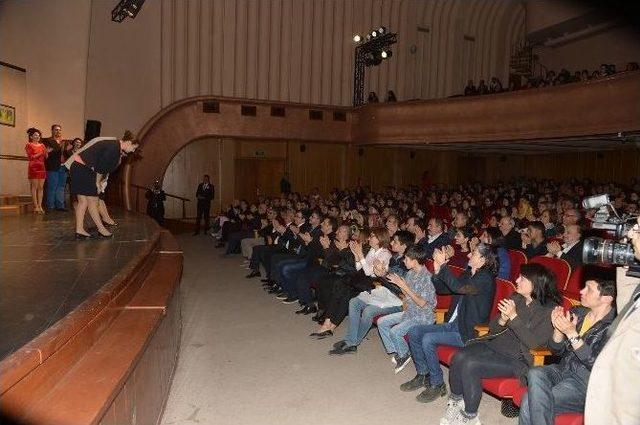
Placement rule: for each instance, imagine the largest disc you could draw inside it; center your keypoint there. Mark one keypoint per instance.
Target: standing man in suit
(204, 195)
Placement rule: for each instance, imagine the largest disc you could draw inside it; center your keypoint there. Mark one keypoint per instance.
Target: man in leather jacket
(578, 337)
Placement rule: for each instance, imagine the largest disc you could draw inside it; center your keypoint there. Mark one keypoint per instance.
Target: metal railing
(168, 195)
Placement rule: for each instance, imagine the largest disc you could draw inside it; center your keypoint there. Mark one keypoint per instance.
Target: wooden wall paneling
(229, 50)
(217, 53)
(179, 48)
(252, 50)
(286, 49)
(275, 57)
(227, 174)
(205, 48)
(193, 41)
(166, 60)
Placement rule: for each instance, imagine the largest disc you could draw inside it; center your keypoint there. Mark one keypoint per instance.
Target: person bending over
(524, 323)
(471, 304)
(578, 337)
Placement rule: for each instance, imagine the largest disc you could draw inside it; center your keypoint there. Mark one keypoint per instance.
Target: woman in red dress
(36, 152)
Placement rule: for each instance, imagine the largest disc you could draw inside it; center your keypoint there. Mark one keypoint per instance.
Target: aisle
(246, 359)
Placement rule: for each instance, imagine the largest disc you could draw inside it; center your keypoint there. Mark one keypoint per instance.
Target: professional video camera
(607, 251)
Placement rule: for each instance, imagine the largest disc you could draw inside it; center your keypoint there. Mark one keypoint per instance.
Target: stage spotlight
(368, 37)
(374, 33)
(126, 8)
(357, 38)
(385, 54)
(381, 30)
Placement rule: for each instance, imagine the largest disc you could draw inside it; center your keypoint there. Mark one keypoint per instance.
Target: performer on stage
(88, 167)
(37, 173)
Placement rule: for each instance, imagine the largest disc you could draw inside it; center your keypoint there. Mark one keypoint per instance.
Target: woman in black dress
(88, 168)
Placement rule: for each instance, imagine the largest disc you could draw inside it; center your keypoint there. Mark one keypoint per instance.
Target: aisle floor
(246, 358)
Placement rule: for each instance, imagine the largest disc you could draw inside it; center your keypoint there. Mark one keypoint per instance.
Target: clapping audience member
(420, 298)
(571, 249)
(512, 238)
(524, 323)
(492, 237)
(578, 336)
(377, 302)
(472, 298)
(533, 240)
(436, 237)
(58, 151)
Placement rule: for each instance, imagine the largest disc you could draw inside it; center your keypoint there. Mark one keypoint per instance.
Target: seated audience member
(260, 236)
(570, 216)
(470, 89)
(493, 238)
(334, 291)
(460, 220)
(482, 88)
(533, 240)
(436, 237)
(578, 337)
(379, 301)
(512, 239)
(391, 96)
(392, 224)
(325, 258)
(460, 255)
(524, 323)
(419, 229)
(282, 236)
(571, 249)
(471, 304)
(253, 224)
(420, 298)
(546, 218)
(495, 86)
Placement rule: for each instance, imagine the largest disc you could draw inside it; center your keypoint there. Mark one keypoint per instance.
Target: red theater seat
(517, 259)
(501, 387)
(446, 353)
(575, 284)
(559, 267)
(504, 289)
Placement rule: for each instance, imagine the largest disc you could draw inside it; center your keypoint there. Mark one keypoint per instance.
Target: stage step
(16, 208)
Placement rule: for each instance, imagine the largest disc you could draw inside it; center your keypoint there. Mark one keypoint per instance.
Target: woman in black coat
(524, 323)
(88, 167)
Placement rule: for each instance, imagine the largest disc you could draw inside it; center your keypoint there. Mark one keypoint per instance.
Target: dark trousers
(204, 208)
(278, 261)
(472, 364)
(267, 258)
(228, 228)
(310, 276)
(234, 240)
(289, 272)
(333, 293)
(552, 391)
(259, 255)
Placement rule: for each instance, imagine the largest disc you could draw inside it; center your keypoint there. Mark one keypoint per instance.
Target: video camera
(607, 251)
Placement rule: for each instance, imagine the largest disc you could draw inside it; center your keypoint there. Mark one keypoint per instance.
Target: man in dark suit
(571, 249)
(512, 239)
(533, 240)
(204, 194)
(436, 237)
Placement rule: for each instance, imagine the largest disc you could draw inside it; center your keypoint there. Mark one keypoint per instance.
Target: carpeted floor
(246, 358)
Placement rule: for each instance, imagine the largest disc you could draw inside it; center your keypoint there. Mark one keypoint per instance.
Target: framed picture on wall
(7, 115)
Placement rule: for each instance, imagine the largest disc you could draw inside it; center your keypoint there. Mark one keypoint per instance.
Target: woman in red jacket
(36, 152)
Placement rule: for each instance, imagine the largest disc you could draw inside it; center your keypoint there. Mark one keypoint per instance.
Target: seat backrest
(429, 264)
(568, 302)
(517, 258)
(575, 284)
(557, 266)
(504, 289)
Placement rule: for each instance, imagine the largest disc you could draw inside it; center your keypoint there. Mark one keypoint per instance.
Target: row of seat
(509, 388)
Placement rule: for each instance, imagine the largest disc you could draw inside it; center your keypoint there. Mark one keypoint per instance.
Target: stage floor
(46, 273)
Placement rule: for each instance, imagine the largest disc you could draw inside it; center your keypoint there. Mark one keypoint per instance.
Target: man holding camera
(612, 395)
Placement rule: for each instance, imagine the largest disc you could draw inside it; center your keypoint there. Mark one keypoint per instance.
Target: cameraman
(612, 394)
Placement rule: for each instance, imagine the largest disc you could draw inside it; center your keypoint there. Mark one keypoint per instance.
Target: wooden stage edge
(112, 359)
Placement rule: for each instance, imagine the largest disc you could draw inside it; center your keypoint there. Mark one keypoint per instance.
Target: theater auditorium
(325, 212)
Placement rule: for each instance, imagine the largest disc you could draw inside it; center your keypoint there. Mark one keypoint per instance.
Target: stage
(46, 273)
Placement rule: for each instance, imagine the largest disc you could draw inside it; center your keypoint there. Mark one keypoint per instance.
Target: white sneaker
(451, 411)
(462, 419)
(393, 359)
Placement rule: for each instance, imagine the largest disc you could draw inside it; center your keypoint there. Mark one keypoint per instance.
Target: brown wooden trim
(16, 67)
(14, 157)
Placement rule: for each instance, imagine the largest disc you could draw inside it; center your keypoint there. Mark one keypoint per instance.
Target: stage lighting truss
(126, 8)
(371, 50)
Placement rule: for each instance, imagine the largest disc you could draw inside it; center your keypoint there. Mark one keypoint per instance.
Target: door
(252, 174)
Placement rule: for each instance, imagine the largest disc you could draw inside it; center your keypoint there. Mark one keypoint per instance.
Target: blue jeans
(56, 182)
(361, 317)
(392, 329)
(423, 343)
(551, 392)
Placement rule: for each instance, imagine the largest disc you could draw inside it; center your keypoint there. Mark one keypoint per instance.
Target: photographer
(612, 394)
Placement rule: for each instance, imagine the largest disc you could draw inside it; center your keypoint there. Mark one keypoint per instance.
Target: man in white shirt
(571, 249)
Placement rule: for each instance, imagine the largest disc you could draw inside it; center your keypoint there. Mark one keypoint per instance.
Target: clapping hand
(473, 243)
(295, 229)
(341, 244)
(449, 251)
(564, 322)
(526, 239)
(378, 268)
(356, 248)
(554, 247)
(325, 242)
(398, 281)
(439, 258)
(507, 308)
